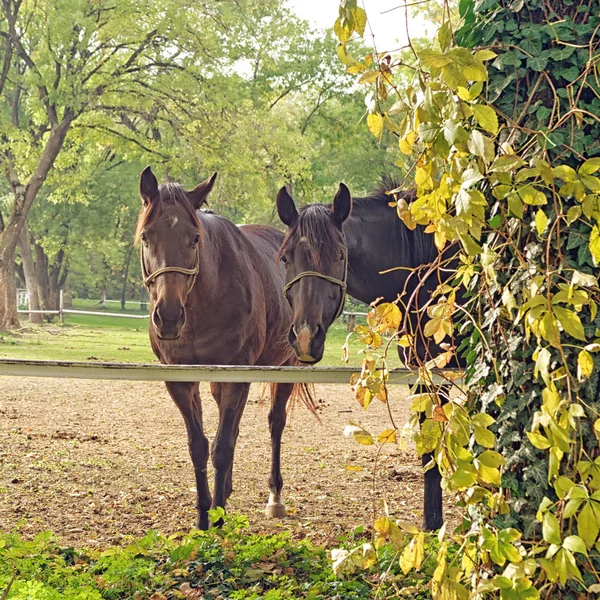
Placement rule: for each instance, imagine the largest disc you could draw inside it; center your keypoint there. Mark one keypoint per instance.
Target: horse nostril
(292, 334)
(156, 319)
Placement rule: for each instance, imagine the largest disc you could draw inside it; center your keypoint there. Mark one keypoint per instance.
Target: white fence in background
(62, 311)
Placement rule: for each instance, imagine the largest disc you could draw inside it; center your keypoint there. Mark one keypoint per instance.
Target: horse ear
(286, 208)
(148, 186)
(199, 194)
(342, 205)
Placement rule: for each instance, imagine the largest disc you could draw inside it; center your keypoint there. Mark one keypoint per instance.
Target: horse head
(316, 266)
(170, 235)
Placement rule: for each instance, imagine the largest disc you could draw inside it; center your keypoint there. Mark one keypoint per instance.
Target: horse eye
(144, 238)
(342, 257)
(196, 240)
(284, 260)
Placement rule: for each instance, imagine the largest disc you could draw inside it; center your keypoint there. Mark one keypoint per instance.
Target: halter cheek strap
(340, 282)
(148, 279)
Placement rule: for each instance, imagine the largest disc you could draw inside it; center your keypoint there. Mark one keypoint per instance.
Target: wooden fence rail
(218, 373)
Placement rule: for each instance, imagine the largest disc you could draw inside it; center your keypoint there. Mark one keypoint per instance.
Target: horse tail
(301, 392)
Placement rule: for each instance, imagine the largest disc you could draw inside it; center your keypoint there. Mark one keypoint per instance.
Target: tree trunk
(41, 275)
(55, 279)
(8, 292)
(23, 197)
(125, 276)
(29, 272)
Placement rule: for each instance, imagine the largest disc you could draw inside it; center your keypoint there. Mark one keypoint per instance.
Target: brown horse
(215, 292)
(345, 246)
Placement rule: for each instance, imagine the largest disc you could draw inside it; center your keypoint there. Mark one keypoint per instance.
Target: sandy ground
(97, 461)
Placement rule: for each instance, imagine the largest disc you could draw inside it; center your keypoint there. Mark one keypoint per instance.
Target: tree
(96, 66)
(503, 153)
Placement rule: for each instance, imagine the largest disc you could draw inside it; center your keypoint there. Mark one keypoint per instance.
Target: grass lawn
(117, 339)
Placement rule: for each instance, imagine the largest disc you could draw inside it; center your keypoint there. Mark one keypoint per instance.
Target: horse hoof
(275, 510)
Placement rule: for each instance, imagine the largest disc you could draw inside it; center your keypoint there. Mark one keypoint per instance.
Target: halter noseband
(148, 279)
(340, 282)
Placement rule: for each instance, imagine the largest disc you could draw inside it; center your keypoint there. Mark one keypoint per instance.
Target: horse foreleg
(433, 517)
(187, 398)
(277, 418)
(233, 398)
(215, 390)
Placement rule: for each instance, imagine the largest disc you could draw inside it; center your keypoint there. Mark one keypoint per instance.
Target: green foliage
(220, 563)
(502, 145)
(117, 339)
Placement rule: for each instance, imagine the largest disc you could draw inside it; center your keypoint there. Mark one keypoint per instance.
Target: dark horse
(345, 245)
(215, 292)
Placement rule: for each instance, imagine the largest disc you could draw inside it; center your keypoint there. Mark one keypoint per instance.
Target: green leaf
(565, 173)
(484, 437)
(589, 166)
(491, 459)
(470, 245)
(431, 58)
(462, 480)
(570, 322)
(551, 529)
(485, 55)
(483, 419)
(575, 544)
(480, 145)
(587, 526)
(444, 35)
(537, 63)
(505, 164)
(486, 117)
(429, 131)
(532, 196)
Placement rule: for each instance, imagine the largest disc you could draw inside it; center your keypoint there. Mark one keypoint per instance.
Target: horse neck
(377, 241)
(208, 280)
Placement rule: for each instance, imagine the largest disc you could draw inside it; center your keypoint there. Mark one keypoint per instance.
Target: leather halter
(148, 279)
(340, 282)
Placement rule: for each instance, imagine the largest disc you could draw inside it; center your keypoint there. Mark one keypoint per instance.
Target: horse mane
(169, 194)
(315, 227)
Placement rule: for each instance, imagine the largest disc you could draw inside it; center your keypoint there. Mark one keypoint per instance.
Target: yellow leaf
(541, 221)
(360, 20)
(595, 245)
(585, 365)
(406, 143)
(353, 468)
(387, 437)
(375, 124)
(364, 438)
(385, 317)
(485, 55)
(538, 441)
(405, 341)
(549, 330)
(407, 558)
(484, 437)
(486, 117)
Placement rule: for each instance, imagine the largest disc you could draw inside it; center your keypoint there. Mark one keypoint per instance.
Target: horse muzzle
(308, 342)
(168, 324)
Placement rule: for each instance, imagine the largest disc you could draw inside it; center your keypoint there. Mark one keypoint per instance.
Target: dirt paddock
(95, 461)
